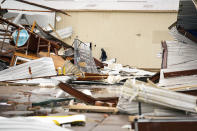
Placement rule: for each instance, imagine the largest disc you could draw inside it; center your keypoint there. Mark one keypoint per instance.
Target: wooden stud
(93, 108)
(49, 47)
(33, 26)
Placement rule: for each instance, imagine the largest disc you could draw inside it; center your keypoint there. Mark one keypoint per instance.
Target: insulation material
(35, 68)
(138, 91)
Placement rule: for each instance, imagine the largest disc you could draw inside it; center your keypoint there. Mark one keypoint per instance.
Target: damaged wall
(121, 33)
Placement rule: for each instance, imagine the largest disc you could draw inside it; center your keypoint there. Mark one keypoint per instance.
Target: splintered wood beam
(81, 96)
(86, 98)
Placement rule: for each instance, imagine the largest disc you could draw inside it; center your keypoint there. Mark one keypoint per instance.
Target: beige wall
(133, 38)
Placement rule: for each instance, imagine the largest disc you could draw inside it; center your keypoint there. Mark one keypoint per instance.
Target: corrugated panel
(187, 15)
(83, 54)
(181, 56)
(179, 37)
(39, 68)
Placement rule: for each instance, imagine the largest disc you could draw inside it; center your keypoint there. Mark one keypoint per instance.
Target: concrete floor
(99, 122)
(94, 121)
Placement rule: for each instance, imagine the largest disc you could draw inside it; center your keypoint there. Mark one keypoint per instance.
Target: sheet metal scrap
(83, 57)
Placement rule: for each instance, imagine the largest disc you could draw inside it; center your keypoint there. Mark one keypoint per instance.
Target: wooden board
(93, 108)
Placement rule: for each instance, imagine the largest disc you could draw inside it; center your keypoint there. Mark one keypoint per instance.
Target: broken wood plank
(91, 78)
(93, 108)
(81, 96)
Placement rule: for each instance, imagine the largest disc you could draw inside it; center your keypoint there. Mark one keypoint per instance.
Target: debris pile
(42, 76)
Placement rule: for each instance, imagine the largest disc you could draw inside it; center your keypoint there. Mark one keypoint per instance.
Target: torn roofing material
(138, 91)
(187, 15)
(35, 68)
(33, 42)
